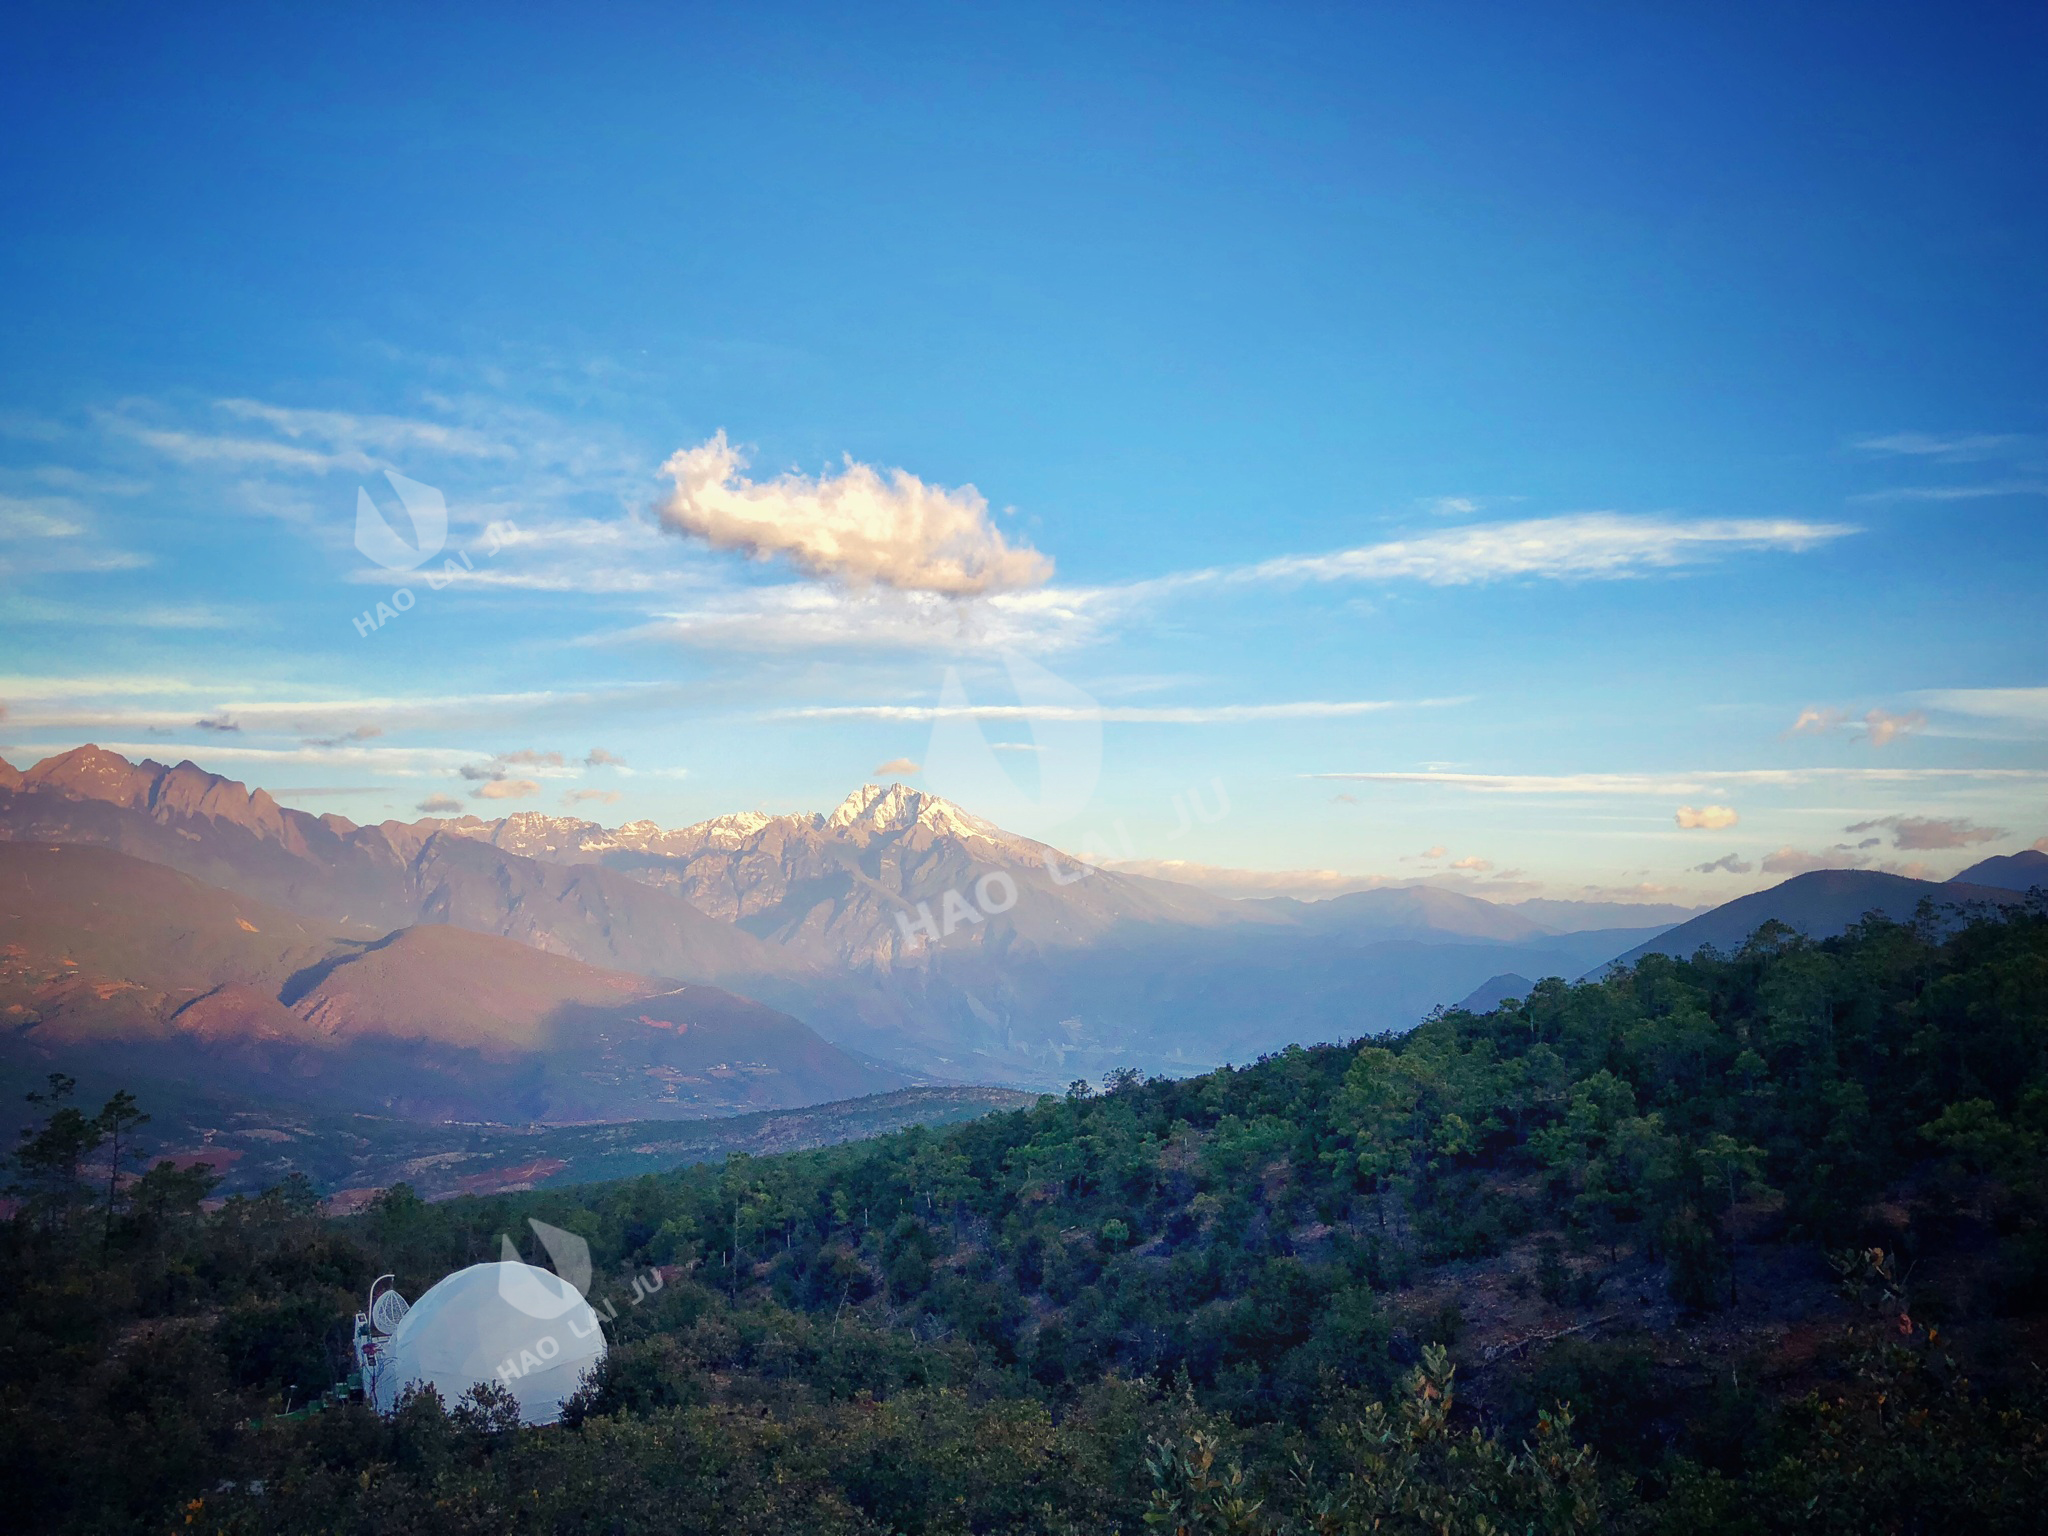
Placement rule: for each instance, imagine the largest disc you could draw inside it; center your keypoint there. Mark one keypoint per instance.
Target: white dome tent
(509, 1324)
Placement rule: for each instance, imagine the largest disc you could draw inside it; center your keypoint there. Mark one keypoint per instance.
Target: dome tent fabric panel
(510, 1324)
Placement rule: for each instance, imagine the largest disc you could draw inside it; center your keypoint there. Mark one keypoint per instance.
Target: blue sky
(1442, 428)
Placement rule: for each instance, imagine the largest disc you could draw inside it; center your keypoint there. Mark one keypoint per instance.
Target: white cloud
(1708, 818)
(855, 526)
(1474, 864)
(1585, 545)
(895, 765)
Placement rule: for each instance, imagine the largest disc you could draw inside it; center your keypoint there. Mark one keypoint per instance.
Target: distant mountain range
(541, 967)
(107, 958)
(1824, 902)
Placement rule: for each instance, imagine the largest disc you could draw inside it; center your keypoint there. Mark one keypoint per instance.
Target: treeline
(1232, 1303)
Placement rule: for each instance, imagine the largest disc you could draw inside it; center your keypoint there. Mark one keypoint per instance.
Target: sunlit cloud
(1881, 729)
(505, 789)
(1813, 721)
(856, 526)
(1707, 818)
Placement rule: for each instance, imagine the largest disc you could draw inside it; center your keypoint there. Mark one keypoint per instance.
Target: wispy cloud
(1814, 721)
(1923, 833)
(2027, 706)
(858, 526)
(1955, 492)
(802, 616)
(48, 535)
(1794, 861)
(1584, 546)
(304, 441)
(497, 769)
(1222, 880)
(1728, 864)
(1954, 446)
(406, 762)
(351, 430)
(16, 608)
(1163, 714)
(1688, 783)
(71, 704)
(1880, 727)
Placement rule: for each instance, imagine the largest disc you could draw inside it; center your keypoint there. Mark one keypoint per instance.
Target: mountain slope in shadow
(110, 958)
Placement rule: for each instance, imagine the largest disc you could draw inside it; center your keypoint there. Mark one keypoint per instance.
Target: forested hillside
(1746, 1243)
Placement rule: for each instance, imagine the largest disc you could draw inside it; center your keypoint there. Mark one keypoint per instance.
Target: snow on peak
(899, 808)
